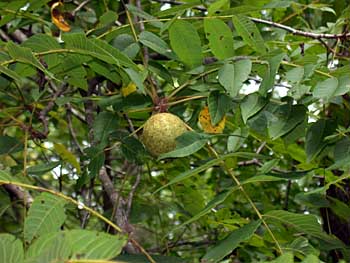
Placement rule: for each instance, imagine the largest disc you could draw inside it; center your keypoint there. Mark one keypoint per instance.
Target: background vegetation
(266, 178)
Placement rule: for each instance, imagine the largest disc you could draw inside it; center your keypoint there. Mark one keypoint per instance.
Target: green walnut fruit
(160, 132)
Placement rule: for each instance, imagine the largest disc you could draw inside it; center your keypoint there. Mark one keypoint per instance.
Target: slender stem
(186, 99)
(80, 205)
(25, 151)
(188, 82)
(256, 20)
(240, 186)
(317, 71)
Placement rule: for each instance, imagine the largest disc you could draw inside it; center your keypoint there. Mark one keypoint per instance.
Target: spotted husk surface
(160, 132)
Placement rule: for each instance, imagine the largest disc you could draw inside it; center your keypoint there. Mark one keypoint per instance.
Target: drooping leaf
(226, 77)
(231, 77)
(236, 139)
(341, 209)
(219, 104)
(316, 200)
(9, 145)
(220, 198)
(267, 166)
(307, 224)
(96, 158)
(44, 216)
(314, 141)
(227, 245)
(251, 104)
(285, 119)
(156, 43)
(295, 75)
(25, 55)
(67, 156)
(242, 71)
(186, 144)
(341, 155)
(11, 249)
(207, 165)
(268, 82)
(332, 87)
(220, 38)
(105, 70)
(186, 43)
(249, 32)
(298, 91)
(105, 123)
(132, 149)
(43, 168)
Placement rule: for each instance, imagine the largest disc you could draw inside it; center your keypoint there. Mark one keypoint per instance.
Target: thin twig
(108, 186)
(79, 7)
(43, 113)
(76, 113)
(240, 187)
(120, 213)
(132, 192)
(72, 132)
(300, 32)
(277, 25)
(89, 106)
(286, 201)
(261, 147)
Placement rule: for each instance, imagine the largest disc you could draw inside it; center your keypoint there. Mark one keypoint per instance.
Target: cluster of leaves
(263, 175)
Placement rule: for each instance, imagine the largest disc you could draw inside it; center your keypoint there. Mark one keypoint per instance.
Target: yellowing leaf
(205, 122)
(57, 17)
(67, 156)
(126, 90)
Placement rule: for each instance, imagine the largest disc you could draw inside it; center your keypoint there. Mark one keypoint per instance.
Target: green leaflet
(227, 245)
(186, 43)
(45, 215)
(219, 104)
(249, 32)
(187, 144)
(25, 55)
(11, 249)
(220, 38)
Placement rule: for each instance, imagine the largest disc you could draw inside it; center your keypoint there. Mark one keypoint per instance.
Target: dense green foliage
(77, 183)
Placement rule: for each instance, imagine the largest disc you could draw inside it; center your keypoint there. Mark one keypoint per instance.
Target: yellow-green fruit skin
(160, 132)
